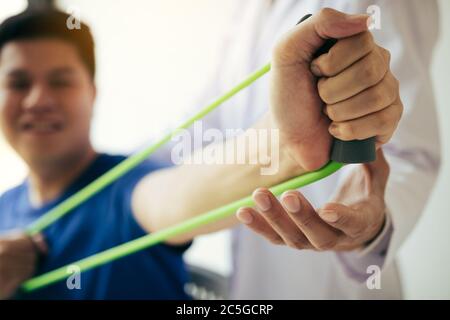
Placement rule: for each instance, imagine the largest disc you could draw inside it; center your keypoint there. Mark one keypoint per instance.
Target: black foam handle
(355, 151)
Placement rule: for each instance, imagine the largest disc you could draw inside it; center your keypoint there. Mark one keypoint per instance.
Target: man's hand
(353, 218)
(360, 94)
(18, 257)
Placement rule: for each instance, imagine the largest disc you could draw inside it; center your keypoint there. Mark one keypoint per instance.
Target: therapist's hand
(357, 96)
(353, 218)
(18, 257)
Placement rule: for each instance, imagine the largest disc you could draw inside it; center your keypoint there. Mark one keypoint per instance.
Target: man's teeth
(42, 126)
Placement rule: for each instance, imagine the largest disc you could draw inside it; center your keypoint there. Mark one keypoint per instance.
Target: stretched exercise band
(131, 162)
(214, 215)
(186, 226)
(152, 239)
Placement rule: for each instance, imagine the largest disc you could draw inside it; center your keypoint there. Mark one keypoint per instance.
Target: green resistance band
(163, 235)
(342, 152)
(186, 226)
(131, 162)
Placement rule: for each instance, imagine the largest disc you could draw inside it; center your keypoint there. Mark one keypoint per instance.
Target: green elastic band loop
(186, 226)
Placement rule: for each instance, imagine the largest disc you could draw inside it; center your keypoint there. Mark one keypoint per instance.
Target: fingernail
(334, 129)
(262, 201)
(315, 70)
(329, 215)
(358, 17)
(369, 22)
(244, 216)
(292, 203)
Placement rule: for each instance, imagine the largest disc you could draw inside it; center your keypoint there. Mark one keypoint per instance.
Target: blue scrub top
(102, 222)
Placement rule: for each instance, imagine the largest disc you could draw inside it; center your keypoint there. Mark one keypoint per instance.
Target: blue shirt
(102, 222)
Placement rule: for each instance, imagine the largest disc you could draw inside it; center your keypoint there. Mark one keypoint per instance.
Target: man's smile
(39, 127)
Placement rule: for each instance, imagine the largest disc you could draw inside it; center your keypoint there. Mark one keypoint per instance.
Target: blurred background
(155, 56)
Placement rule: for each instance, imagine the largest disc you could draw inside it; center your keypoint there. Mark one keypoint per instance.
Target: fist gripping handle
(355, 151)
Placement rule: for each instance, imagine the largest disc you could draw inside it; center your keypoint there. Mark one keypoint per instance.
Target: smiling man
(44, 124)
(47, 95)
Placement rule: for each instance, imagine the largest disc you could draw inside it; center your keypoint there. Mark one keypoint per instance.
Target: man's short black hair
(32, 24)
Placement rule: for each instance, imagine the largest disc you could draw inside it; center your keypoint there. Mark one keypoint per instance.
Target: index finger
(343, 54)
(321, 235)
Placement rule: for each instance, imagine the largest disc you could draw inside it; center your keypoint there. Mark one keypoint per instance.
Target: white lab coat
(409, 29)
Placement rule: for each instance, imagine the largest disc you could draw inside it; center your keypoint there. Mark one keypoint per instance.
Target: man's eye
(60, 83)
(19, 85)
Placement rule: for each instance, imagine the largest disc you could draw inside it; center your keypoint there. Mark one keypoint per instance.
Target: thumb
(302, 42)
(343, 217)
(40, 243)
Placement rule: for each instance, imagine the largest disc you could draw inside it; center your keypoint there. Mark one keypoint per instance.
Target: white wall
(153, 59)
(145, 78)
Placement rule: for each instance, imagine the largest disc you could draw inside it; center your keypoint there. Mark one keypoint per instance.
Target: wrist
(288, 166)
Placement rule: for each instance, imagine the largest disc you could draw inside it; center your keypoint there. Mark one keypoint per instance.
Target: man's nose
(39, 99)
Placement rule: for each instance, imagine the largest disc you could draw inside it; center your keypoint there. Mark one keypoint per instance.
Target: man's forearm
(173, 195)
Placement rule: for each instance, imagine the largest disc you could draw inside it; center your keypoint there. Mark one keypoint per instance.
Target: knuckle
(325, 16)
(327, 245)
(387, 55)
(276, 240)
(359, 231)
(367, 41)
(326, 63)
(397, 112)
(326, 12)
(386, 92)
(371, 73)
(378, 97)
(396, 85)
(332, 113)
(274, 216)
(296, 243)
(392, 91)
(383, 139)
(324, 91)
(384, 122)
(401, 110)
(342, 220)
(306, 221)
(357, 234)
(348, 131)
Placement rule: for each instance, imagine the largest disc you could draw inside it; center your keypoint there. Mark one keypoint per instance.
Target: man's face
(46, 99)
